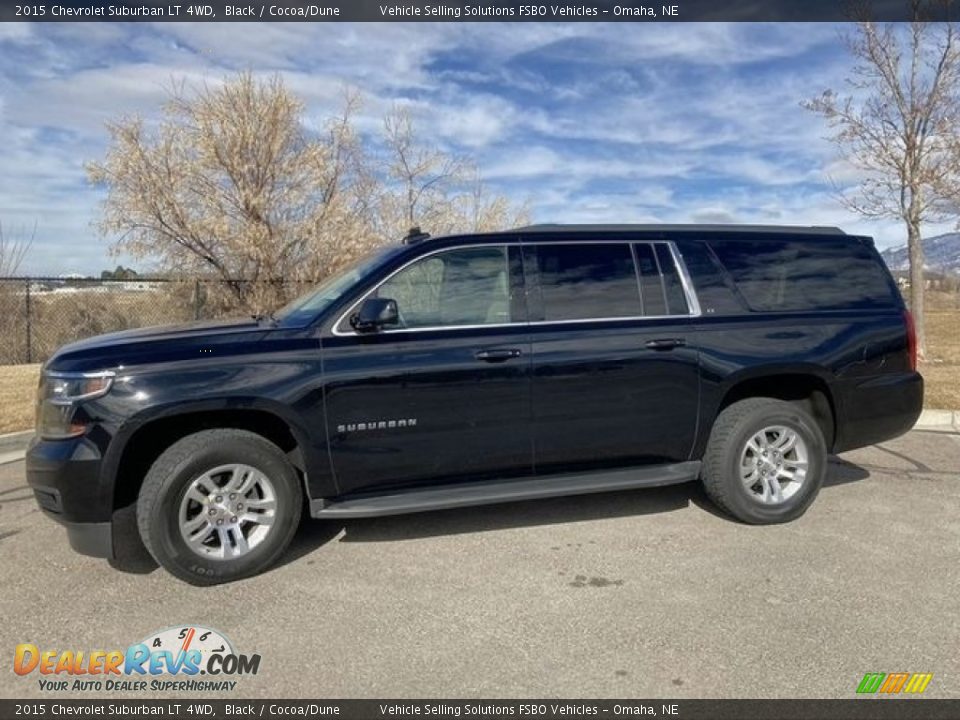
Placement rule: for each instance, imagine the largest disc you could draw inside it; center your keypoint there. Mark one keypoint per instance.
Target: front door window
(468, 286)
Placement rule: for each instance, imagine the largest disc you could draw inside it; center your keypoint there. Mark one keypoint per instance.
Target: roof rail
(731, 228)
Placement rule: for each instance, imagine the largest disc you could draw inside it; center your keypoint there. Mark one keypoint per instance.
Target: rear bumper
(66, 482)
(877, 409)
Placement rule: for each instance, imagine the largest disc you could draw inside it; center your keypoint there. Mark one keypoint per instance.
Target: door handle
(665, 343)
(498, 355)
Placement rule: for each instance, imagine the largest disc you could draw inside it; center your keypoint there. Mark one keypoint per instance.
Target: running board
(469, 494)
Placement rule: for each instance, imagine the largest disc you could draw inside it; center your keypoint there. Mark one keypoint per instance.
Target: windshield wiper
(260, 317)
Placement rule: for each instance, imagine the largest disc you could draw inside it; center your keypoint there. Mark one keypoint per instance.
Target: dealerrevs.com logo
(169, 660)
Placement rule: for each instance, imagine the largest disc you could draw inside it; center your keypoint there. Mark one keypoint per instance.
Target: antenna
(415, 235)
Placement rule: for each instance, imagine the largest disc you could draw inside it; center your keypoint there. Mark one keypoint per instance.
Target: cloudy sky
(589, 122)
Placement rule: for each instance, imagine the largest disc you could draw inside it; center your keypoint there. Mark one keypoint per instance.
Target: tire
(740, 471)
(240, 540)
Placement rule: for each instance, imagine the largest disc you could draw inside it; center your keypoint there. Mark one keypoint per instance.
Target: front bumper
(66, 481)
(93, 539)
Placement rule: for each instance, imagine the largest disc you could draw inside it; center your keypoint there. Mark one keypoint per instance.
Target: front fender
(288, 388)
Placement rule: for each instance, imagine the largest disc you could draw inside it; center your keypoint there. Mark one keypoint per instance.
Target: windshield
(307, 307)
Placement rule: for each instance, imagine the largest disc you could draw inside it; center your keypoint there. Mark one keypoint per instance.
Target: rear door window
(651, 282)
(587, 281)
(660, 285)
(672, 286)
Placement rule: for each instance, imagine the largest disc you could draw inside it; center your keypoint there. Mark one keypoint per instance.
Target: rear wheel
(765, 461)
(219, 505)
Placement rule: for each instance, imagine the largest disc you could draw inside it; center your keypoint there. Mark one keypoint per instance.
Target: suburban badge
(377, 425)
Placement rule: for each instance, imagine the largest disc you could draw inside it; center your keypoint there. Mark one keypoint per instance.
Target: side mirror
(375, 314)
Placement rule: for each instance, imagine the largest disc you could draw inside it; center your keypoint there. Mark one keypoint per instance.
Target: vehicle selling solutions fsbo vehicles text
(522, 11)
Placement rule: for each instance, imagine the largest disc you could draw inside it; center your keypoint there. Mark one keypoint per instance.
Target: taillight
(911, 338)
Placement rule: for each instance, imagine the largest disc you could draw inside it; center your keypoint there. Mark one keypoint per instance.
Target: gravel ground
(647, 593)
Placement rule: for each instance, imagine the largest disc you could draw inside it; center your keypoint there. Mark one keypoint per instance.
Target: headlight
(65, 388)
(57, 398)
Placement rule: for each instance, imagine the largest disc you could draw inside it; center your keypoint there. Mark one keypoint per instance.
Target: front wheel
(219, 505)
(765, 461)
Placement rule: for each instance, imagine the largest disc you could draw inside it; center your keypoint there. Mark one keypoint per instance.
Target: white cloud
(15, 32)
(590, 121)
(82, 102)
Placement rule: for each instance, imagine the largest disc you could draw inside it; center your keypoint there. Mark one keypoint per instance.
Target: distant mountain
(941, 254)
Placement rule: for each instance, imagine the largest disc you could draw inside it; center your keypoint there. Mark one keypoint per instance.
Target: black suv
(457, 371)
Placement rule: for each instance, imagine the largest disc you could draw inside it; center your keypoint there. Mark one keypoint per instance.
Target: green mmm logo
(893, 683)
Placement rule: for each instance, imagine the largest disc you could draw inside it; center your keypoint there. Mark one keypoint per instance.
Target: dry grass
(18, 390)
(60, 318)
(942, 371)
(18, 383)
(943, 336)
(941, 386)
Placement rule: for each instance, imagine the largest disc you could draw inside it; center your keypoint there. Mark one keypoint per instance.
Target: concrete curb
(11, 457)
(15, 442)
(13, 446)
(939, 420)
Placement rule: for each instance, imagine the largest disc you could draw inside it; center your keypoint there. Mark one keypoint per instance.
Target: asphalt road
(648, 593)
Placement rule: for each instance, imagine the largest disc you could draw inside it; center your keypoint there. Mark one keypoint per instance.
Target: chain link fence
(39, 314)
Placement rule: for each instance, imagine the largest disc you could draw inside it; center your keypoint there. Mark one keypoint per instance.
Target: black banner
(457, 11)
(854, 709)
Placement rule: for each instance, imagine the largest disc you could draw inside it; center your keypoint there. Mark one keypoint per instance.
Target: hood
(156, 344)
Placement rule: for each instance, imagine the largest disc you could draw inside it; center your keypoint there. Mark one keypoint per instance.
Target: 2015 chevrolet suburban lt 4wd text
(457, 371)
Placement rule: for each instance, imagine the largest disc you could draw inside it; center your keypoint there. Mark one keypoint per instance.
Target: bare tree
(13, 250)
(439, 191)
(230, 183)
(423, 176)
(897, 124)
(480, 210)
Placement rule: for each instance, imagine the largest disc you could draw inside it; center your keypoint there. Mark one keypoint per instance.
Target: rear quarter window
(822, 274)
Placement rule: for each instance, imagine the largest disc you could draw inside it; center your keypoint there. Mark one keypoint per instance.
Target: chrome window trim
(693, 305)
(625, 318)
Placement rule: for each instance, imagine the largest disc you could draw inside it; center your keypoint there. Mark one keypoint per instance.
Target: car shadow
(842, 472)
(130, 554)
(313, 534)
(531, 513)
(503, 516)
